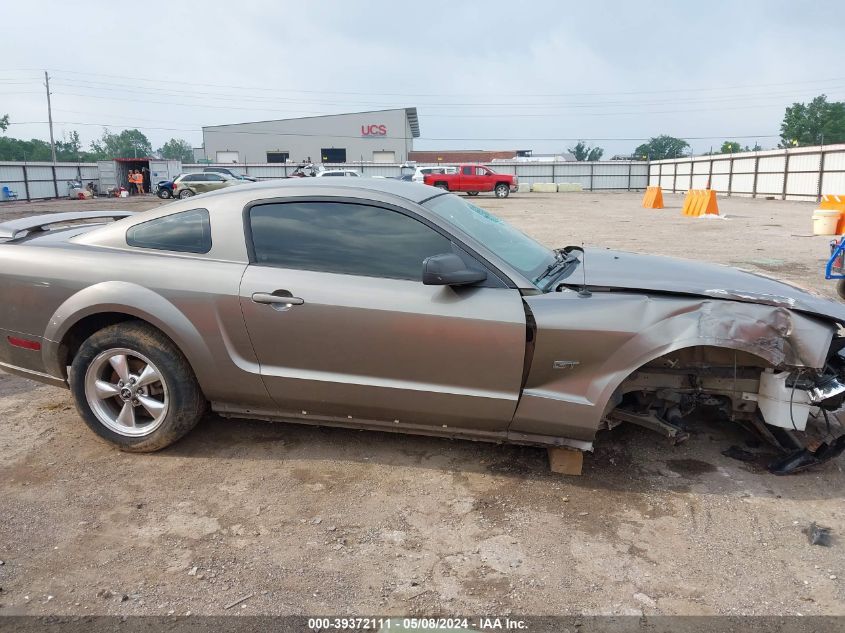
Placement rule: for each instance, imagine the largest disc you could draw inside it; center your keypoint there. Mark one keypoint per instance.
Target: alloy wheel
(126, 392)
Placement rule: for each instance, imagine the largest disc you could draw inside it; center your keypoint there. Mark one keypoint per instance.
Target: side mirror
(449, 270)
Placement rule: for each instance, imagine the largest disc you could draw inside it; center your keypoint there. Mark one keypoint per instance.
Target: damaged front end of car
(650, 340)
(788, 403)
(764, 353)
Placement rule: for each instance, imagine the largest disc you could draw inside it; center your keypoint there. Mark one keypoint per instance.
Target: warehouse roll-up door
(384, 156)
(227, 157)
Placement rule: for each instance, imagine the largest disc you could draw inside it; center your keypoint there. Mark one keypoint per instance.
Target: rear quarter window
(185, 232)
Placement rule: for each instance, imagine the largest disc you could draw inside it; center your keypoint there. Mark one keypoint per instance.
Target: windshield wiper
(562, 260)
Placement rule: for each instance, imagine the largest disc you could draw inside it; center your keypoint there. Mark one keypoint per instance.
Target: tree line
(126, 144)
(818, 122)
(815, 123)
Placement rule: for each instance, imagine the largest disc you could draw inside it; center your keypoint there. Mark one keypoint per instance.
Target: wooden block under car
(565, 461)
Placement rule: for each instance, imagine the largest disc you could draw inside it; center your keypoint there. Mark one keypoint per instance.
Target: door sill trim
(499, 437)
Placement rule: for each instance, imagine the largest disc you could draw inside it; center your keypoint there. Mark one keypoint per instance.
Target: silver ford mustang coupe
(379, 304)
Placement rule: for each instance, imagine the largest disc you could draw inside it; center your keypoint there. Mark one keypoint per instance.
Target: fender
(135, 300)
(777, 335)
(583, 353)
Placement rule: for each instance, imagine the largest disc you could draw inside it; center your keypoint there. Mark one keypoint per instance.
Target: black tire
(502, 190)
(442, 185)
(186, 193)
(472, 193)
(186, 403)
(840, 289)
(164, 194)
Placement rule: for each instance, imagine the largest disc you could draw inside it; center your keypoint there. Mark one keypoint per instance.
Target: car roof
(203, 173)
(413, 192)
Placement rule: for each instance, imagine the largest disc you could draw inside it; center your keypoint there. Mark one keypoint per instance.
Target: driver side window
(344, 238)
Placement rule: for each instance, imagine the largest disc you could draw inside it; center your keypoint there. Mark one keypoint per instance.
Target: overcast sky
(483, 75)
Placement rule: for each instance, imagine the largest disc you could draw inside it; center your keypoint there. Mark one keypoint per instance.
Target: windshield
(514, 247)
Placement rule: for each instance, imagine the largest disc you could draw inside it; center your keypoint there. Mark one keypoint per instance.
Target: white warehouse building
(379, 136)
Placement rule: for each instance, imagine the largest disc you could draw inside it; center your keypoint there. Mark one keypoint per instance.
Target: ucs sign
(373, 130)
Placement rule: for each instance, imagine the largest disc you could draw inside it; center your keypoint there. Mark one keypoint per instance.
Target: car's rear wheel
(442, 185)
(164, 194)
(472, 193)
(186, 193)
(502, 190)
(134, 388)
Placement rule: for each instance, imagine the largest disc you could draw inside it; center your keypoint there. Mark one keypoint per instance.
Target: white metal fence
(801, 173)
(44, 180)
(605, 175)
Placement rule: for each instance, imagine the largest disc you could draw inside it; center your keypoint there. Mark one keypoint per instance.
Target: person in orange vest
(139, 181)
(131, 179)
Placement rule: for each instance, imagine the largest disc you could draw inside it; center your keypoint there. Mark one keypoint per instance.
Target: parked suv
(228, 172)
(188, 185)
(164, 189)
(421, 172)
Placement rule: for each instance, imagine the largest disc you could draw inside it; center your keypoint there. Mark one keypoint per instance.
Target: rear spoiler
(14, 229)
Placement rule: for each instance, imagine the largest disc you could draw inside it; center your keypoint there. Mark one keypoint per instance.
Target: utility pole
(50, 116)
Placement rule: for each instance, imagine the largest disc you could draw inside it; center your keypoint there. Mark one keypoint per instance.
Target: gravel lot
(312, 520)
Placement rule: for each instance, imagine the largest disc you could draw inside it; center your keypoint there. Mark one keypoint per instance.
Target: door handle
(277, 299)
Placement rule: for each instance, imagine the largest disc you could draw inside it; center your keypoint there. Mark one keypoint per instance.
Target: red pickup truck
(474, 178)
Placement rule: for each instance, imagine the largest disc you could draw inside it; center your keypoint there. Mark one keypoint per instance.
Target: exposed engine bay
(781, 404)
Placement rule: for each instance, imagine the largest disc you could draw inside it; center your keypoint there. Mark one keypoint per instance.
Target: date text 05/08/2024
(456, 624)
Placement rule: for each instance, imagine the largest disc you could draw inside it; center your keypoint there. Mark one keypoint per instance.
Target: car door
(358, 336)
(467, 179)
(212, 181)
(484, 179)
(197, 182)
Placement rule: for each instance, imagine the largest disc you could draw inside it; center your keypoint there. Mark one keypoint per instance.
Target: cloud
(489, 71)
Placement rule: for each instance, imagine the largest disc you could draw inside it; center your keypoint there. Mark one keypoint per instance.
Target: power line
(399, 94)
(264, 88)
(157, 91)
(428, 114)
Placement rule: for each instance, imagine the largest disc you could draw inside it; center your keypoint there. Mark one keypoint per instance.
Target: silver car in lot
(380, 304)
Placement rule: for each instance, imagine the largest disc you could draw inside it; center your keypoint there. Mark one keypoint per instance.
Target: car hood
(654, 273)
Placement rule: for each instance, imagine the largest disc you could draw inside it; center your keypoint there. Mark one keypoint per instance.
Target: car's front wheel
(502, 190)
(840, 289)
(186, 193)
(164, 194)
(134, 388)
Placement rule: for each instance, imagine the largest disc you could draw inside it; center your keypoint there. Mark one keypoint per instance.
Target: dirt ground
(312, 520)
